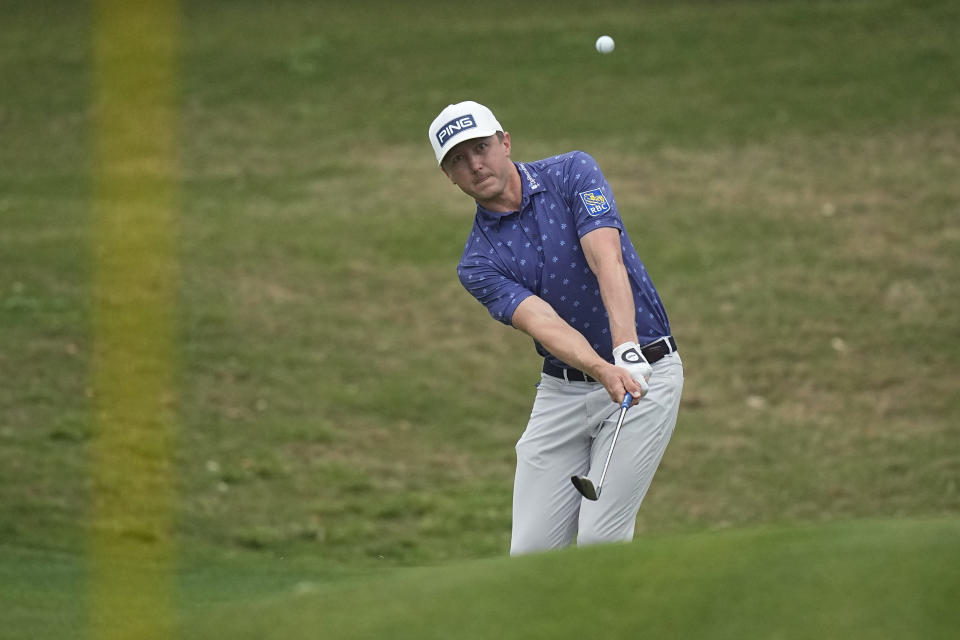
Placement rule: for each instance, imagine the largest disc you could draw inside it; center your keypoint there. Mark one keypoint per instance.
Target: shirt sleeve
(495, 290)
(591, 198)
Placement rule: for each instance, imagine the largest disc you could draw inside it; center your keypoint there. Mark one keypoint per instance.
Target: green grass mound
(868, 579)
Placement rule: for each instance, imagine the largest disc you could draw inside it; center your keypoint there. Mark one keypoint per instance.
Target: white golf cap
(459, 122)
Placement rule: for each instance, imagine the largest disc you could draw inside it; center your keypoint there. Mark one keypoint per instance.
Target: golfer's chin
(485, 190)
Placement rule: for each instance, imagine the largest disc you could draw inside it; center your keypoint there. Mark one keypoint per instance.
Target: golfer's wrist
(597, 368)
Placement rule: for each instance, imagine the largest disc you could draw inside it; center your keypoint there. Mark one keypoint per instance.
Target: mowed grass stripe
(134, 293)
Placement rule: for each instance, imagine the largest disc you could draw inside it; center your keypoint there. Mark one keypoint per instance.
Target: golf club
(583, 484)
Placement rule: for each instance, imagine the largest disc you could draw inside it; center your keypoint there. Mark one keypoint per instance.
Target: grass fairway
(341, 407)
(871, 579)
(878, 580)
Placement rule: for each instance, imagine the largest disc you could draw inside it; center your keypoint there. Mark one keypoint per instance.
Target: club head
(585, 486)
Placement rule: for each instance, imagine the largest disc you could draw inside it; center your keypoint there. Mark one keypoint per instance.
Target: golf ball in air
(605, 44)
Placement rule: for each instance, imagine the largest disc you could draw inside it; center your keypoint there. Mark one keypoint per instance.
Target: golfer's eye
(455, 160)
(482, 146)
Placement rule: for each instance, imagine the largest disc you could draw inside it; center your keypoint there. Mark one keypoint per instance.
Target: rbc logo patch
(595, 202)
(454, 127)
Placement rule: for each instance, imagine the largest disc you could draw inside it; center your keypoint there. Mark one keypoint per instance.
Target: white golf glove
(628, 356)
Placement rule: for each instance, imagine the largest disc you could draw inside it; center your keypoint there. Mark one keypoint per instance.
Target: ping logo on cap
(595, 202)
(454, 127)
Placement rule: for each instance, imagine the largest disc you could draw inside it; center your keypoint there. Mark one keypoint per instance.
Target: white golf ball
(605, 44)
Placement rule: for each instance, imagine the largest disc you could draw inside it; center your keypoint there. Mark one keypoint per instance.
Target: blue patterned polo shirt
(536, 251)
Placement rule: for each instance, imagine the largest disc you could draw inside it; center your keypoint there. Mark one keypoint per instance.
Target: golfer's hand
(618, 381)
(628, 356)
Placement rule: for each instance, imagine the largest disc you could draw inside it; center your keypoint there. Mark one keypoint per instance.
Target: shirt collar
(529, 184)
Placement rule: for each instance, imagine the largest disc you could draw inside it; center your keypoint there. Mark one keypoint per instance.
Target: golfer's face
(480, 167)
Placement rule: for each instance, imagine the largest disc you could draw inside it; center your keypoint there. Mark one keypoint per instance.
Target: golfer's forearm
(618, 301)
(601, 248)
(537, 319)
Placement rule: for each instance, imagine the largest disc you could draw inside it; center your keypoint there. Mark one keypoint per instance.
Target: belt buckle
(654, 348)
(666, 341)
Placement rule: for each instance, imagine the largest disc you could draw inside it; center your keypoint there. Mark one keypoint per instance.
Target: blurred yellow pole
(135, 126)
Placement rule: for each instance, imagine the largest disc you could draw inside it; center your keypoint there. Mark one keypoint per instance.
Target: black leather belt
(652, 352)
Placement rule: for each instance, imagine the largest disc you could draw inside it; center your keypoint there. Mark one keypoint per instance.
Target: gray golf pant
(569, 433)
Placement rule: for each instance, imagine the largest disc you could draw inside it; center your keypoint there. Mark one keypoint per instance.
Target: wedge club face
(584, 484)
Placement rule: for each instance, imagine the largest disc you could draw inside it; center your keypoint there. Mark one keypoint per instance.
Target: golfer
(548, 254)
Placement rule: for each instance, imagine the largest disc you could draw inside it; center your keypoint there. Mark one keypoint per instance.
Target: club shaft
(623, 413)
